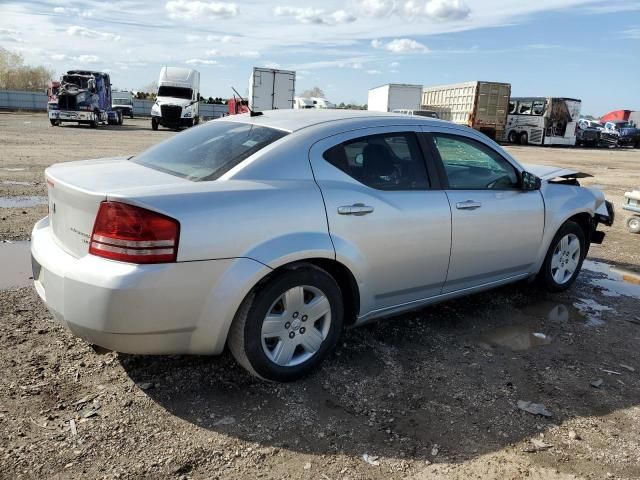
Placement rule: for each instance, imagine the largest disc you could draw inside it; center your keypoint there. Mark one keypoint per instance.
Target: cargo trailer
(478, 104)
(271, 89)
(394, 96)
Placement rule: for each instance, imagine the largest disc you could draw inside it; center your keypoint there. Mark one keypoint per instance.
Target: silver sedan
(270, 233)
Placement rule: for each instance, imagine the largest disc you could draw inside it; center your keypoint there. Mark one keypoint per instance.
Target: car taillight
(133, 234)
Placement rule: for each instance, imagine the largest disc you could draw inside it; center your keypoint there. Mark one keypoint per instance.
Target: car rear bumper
(174, 308)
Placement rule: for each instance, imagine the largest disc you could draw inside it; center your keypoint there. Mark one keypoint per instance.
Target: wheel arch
(340, 273)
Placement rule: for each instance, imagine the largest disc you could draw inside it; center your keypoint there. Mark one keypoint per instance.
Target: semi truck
(480, 105)
(84, 97)
(271, 89)
(177, 98)
(394, 96)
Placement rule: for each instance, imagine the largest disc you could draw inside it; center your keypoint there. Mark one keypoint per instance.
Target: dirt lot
(429, 395)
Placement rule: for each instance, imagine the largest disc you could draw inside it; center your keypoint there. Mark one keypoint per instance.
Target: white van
(177, 98)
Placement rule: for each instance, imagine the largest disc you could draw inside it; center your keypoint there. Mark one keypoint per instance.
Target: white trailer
(479, 105)
(271, 89)
(394, 96)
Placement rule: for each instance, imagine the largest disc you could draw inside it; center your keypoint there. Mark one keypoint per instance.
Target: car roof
(293, 120)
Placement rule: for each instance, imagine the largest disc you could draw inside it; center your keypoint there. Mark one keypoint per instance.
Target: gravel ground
(429, 395)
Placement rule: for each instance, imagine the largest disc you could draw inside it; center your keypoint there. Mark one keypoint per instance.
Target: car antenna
(251, 112)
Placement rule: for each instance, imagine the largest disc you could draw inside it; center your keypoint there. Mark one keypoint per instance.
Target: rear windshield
(175, 92)
(209, 151)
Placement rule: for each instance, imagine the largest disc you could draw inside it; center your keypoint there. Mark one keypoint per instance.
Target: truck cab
(177, 98)
(84, 97)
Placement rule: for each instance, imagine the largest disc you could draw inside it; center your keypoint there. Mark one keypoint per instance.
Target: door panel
(496, 226)
(396, 242)
(499, 239)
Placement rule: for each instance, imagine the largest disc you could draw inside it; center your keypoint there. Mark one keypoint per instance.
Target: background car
(588, 132)
(627, 134)
(272, 232)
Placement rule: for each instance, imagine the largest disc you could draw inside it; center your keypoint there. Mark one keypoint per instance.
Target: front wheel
(524, 138)
(55, 123)
(513, 137)
(633, 224)
(287, 326)
(564, 258)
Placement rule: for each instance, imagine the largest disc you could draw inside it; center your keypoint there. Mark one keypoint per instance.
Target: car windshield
(623, 125)
(175, 92)
(425, 113)
(209, 151)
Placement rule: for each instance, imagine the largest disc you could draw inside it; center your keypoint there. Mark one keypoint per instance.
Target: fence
(37, 101)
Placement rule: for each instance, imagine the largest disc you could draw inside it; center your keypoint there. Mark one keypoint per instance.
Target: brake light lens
(133, 234)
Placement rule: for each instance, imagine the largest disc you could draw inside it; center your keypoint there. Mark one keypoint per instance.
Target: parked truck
(123, 102)
(177, 98)
(84, 97)
(394, 96)
(271, 89)
(478, 104)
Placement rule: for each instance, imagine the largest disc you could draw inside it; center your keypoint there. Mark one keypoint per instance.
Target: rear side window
(209, 151)
(390, 161)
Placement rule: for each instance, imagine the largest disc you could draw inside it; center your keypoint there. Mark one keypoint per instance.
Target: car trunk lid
(76, 190)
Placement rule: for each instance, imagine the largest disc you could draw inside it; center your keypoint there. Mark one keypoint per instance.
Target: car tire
(283, 343)
(94, 123)
(131, 115)
(55, 123)
(633, 224)
(154, 124)
(524, 138)
(564, 258)
(513, 137)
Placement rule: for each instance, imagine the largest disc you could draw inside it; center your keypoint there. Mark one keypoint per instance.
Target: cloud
(316, 16)
(438, 10)
(400, 46)
(58, 57)
(220, 38)
(612, 7)
(195, 9)
(374, 72)
(88, 59)
(447, 10)
(271, 65)
(201, 61)
(77, 31)
(240, 54)
(376, 8)
(9, 35)
(394, 64)
(73, 11)
(631, 33)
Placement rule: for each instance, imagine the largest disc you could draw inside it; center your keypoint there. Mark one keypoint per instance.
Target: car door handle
(468, 205)
(355, 209)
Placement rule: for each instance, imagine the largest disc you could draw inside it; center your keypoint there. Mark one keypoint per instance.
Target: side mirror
(530, 181)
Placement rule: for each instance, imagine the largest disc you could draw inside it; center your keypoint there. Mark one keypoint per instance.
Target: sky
(573, 48)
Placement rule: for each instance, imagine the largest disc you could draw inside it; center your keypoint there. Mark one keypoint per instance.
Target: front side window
(538, 107)
(524, 108)
(470, 165)
(209, 151)
(390, 161)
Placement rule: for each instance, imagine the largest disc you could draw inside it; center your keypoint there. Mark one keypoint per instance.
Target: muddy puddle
(23, 201)
(524, 327)
(15, 263)
(613, 281)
